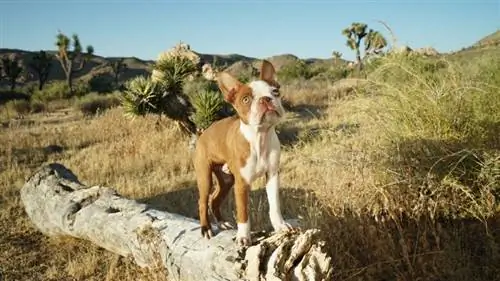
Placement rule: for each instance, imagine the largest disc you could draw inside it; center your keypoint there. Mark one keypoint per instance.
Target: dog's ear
(228, 85)
(267, 72)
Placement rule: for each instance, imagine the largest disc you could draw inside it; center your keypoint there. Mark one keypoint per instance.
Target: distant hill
(235, 63)
(135, 66)
(492, 39)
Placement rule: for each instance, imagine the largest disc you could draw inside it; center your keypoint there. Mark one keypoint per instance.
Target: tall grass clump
(58, 90)
(440, 136)
(94, 103)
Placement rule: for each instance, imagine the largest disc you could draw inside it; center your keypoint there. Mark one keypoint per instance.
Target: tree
(12, 68)
(118, 66)
(58, 204)
(373, 40)
(72, 61)
(336, 55)
(41, 64)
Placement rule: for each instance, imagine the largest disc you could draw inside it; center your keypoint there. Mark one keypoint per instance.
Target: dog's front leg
(242, 192)
(272, 190)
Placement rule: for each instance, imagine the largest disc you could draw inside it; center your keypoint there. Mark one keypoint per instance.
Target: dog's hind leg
(204, 181)
(224, 183)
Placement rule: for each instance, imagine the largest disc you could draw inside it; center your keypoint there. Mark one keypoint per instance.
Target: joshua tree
(72, 61)
(374, 41)
(355, 33)
(118, 66)
(12, 68)
(336, 55)
(41, 64)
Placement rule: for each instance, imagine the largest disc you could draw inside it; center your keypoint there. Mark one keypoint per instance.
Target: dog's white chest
(256, 165)
(264, 156)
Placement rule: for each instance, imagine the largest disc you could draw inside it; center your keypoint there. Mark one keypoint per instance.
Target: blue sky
(253, 28)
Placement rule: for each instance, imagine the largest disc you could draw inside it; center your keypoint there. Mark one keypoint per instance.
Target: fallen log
(59, 205)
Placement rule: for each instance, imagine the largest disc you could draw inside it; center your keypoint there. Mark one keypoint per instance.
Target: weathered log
(59, 205)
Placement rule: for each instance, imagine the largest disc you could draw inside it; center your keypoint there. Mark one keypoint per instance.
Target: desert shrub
(332, 74)
(103, 83)
(208, 103)
(37, 106)
(94, 103)
(440, 127)
(6, 96)
(57, 90)
(19, 106)
(207, 107)
(296, 70)
(245, 78)
(163, 92)
(23, 107)
(140, 96)
(28, 88)
(198, 85)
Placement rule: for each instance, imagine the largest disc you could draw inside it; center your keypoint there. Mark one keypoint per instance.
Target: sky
(256, 28)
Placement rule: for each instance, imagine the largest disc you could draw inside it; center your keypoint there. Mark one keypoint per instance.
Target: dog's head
(257, 103)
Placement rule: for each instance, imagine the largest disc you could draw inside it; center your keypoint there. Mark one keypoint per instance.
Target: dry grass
(339, 173)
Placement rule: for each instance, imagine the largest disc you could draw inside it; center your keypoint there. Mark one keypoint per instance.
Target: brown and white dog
(248, 146)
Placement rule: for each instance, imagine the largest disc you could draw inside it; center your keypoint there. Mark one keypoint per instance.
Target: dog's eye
(275, 92)
(246, 99)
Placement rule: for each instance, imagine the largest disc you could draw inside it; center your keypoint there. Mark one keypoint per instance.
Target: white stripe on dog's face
(266, 108)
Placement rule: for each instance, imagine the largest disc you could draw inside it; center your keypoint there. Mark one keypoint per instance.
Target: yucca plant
(139, 95)
(207, 106)
(162, 93)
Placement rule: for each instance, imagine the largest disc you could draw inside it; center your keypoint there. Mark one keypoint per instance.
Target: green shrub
(139, 96)
(198, 85)
(245, 78)
(439, 124)
(94, 103)
(163, 92)
(103, 83)
(207, 106)
(296, 70)
(57, 90)
(332, 74)
(23, 107)
(37, 106)
(6, 96)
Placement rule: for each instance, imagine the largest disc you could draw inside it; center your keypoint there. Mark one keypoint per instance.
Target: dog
(238, 150)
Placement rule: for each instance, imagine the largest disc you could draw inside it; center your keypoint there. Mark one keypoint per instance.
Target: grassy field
(402, 173)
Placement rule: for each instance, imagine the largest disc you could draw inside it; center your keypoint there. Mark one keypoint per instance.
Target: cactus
(41, 64)
(118, 67)
(12, 69)
(72, 61)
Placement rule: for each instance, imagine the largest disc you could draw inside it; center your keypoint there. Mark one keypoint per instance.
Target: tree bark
(59, 205)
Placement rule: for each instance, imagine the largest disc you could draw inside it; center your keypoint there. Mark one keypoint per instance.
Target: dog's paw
(243, 241)
(243, 238)
(282, 226)
(225, 225)
(206, 232)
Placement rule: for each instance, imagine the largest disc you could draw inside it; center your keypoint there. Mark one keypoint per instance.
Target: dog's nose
(265, 99)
